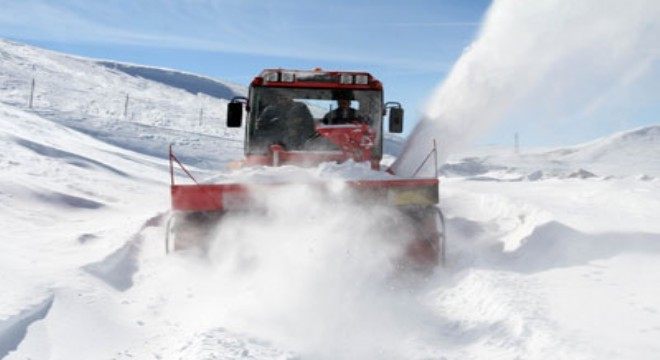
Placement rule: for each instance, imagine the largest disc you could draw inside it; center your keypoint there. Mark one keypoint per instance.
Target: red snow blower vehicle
(305, 118)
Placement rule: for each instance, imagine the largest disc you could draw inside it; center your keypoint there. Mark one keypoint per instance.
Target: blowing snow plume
(562, 59)
(313, 270)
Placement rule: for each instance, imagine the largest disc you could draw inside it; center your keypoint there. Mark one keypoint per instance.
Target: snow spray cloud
(561, 58)
(313, 271)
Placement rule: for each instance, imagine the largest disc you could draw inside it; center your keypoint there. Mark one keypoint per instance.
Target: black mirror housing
(396, 120)
(234, 114)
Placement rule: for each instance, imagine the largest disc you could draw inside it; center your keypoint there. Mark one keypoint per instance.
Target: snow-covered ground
(553, 253)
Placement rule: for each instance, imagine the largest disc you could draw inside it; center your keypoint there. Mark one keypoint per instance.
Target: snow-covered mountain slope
(629, 153)
(565, 266)
(632, 153)
(194, 84)
(121, 103)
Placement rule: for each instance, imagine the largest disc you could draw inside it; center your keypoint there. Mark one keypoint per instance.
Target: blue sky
(411, 46)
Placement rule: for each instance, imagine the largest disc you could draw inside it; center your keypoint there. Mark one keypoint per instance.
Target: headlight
(361, 79)
(288, 77)
(346, 79)
(270, 77)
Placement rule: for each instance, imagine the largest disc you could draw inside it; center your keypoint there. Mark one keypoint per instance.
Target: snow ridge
(630, 153)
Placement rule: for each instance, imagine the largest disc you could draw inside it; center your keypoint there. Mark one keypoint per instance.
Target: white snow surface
(552, 253)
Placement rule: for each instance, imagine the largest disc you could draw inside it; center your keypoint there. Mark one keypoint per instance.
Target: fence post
(31, 94)
(126, 106)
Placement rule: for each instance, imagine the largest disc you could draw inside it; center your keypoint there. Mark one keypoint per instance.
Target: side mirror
(396, 117)
(234, 113)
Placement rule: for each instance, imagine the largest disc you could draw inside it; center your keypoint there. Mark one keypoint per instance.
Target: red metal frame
(219, 197)
(355, 141)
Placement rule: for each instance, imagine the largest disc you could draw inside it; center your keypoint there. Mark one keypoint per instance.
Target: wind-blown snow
(553, 253)
(556, 63)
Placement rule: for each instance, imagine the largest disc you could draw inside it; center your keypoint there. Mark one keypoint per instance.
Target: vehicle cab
(306, 117)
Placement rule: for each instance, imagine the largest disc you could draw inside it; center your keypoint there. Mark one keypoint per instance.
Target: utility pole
(516, 143)
(201, 116)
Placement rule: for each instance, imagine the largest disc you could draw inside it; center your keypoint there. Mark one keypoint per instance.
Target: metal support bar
(174, 158)
(435, 157)
(434, 152)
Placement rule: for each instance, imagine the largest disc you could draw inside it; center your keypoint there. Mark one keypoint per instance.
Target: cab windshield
(289, 117)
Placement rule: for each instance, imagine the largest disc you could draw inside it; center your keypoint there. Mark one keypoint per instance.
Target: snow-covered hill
(565, 266)
(121, 103)
(632, 153)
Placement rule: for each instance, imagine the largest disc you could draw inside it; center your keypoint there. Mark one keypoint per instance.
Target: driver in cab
(343, 114)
